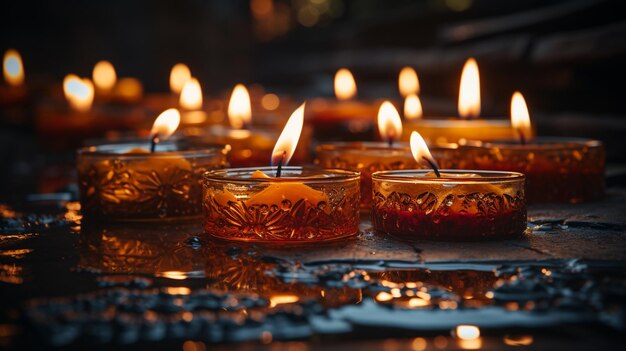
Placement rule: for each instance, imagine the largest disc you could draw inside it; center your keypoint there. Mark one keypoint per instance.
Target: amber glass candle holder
(123, 182)
(458, 206)
(558, 170)
(369, 157)
(304, 205)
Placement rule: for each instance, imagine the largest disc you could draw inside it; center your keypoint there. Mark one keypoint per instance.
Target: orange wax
(277, 193)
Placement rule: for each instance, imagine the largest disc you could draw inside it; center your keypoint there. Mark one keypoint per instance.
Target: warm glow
(389, 123)
(179, 75)
(412, 107)
(239, 109)
(520, 118)
(407, 82)
(469, 92)
(270, 102)
(104, 76)
(191, 95)
(345, 86)
(177, 275)
(467, 332)
(419, 149)
(78, 92)
(130, 89)
(288, 139)
(165, 125)
(521, 340)
(13, 68)
(282, 299)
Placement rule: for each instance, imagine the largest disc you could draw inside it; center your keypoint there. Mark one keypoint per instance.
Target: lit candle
(250, 145)
(344, 118)
(369, 157)
(556, 169)
(13, 92)
(281, 204)
(447, 204)
(455, 130)
(127, 181)
(70, 122)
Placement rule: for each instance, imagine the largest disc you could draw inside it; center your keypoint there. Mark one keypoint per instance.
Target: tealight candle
(345, 117)
(455, 130)
(282, 204)
(369, 157)
(14, 91)
(447, 204)
(249, 145)
(556, 169)
(129, 181)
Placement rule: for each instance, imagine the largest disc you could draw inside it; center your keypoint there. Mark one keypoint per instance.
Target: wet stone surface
(67, 284)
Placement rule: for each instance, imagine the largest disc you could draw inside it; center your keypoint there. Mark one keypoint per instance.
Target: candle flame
(419, 149)
(78, 92)
(412, 107)
(13, 68)
(288, 139)
(191, 95)
(239, 109)
(345, 86)
(389, 123)
(104, 76)
(467, 332)
(179, 75)
(407, 82)
(165, 124)
(469, 92)
(520, 118)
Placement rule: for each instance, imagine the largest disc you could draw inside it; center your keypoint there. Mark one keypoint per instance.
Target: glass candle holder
(460, 205)
(557, 169)
(125, 182)
(369, 157)
(304, 205)
(455, 130)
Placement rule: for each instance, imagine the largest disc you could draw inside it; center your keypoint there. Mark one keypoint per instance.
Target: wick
(522, 138)
(433, 166)
(153, 142)
(280, 164)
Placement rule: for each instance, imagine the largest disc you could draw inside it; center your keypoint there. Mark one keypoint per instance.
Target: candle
(129, 182)
(556, 169)
(369, 157)
(250, 145)
(345, 117)
(13, 92)
(455, 130)
(447, 204)
(281, 204)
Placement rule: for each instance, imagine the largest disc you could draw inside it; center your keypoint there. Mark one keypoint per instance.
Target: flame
(78, 92)
(389, 123)
(276, 300)
(165, 125)
(13, 68)
(419, 149)
(345, 86)
(288, 139)
(179, 75)
(467, 332)
(412, 107)
(407, 82)
(239, 109)
(104, 77)
(191, 95)
(520, 118)
(469, 92)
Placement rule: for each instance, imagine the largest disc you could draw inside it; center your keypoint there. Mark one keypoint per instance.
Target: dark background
(567, 57)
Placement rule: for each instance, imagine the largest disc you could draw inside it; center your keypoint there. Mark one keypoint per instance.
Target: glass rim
(417, 176)
(537, 143)
(377, 146)
(222, 175)
(112, 150)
